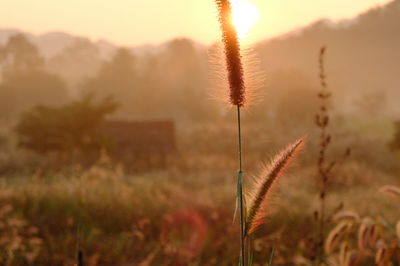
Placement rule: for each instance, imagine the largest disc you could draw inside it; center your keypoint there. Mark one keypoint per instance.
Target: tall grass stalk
(237, 98)
(251, 218)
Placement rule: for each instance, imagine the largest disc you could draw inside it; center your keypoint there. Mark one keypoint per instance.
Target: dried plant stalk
(322, 121)
(325, 167)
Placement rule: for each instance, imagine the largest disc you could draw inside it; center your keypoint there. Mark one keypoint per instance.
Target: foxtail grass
(333, 239)
(265, 183)
(238, 97)
(391, 190)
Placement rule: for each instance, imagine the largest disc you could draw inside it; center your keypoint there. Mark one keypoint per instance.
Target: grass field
(182, 215)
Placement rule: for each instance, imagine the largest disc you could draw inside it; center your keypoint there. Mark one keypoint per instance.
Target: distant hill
(55, 42)
(363, 54)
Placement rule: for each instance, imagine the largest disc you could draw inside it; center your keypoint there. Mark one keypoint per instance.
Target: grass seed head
(350, 216)
(265, 183)
(390, 190)
(232, 54)
(380, 255)
(335, 235)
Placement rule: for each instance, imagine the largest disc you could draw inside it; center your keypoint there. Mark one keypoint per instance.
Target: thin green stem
(240, 193)
(240, 139)
(271, 257)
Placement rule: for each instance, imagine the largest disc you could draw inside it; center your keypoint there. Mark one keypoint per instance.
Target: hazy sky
(136, 22)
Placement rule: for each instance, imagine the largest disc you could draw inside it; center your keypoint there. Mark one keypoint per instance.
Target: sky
(138, 22)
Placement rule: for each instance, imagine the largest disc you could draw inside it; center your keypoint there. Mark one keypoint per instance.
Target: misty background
(153, 82)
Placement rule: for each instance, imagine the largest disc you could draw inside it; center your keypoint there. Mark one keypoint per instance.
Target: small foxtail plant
(250, 218)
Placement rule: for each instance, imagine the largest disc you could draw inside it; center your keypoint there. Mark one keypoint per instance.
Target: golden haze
(138, 22)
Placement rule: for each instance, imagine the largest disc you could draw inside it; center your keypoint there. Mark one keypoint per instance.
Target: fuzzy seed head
(265, 183)
(363, 236)
(392, 191)
(232, 53)
(366, 233)
(350, 216)
(334, 236)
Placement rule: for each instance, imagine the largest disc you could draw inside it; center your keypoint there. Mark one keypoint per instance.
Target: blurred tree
(119, 79)
(24, 82)
(20, 91)
(76, 62)
(169, 84)
(20, 55)
(67, 129)
(184, 72)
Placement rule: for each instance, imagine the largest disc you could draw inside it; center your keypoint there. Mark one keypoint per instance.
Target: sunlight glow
(244, 16)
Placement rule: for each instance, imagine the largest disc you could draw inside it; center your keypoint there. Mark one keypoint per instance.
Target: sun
(244, 16)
